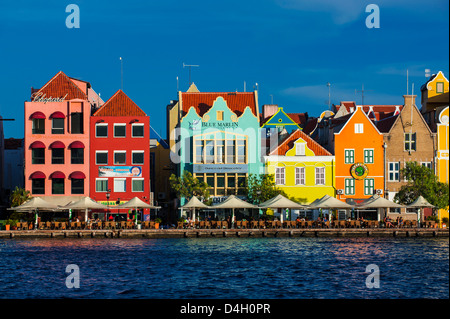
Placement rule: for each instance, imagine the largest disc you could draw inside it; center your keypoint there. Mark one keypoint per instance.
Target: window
(137, 157)
(410, 141)
(57, 186)
(77, 186)
(120, 157)
(359, 128)
(300, 149)
(137, 130)
(299, 176)
(77, 156)
(119, 185)
(440, 87)
(241, 151)
(119, 130)
(230, 144)
(279, 175)
(199, 146)
(38, 126)
(101, 157)
(220, 184)
(320, 175)
(223, 184)
(38, 186)
(137, 185)
(57, 126)
(38, 156)
(220, 151)
(394, 171)
(101, 130)
(349, 156)
(76, 123)
(101, 185)
(219, 115)
(349, 186)
(57, 156)
(209, 151)
(427, 164)
(369, 186)
(368, 156)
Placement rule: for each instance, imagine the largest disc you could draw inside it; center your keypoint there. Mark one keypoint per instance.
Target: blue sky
(291, 48)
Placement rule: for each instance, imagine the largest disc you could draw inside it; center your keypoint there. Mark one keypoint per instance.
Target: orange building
(359, 156)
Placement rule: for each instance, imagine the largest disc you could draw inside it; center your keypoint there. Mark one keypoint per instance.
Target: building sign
(221, 125)
(220, 168)
(41, 97)
(195, 125)
(359, 170)
(119, 171)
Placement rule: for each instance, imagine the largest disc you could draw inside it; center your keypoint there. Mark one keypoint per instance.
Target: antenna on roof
(244, 86)
(407, 83)
(190, 65)
(177, 85)
(271, 99)
(329, 88)
(362, 94)
(121, 73)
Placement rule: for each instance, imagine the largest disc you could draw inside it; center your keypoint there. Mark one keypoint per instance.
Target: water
(255, 268)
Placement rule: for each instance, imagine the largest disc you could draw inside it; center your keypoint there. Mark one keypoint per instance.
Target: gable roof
(203, 101)
(59, 86)
(280, 118)
(350, 116)
(119, 105)
(289, 141)
(375, 112)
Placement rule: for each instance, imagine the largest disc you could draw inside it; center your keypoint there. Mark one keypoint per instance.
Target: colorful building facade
(302, 168)
(443, 154)
(120, 152)
(57, 140)
(218, 140)
(359, 156)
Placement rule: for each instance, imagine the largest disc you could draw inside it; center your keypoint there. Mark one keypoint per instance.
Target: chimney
(409, 100)
(269, 110)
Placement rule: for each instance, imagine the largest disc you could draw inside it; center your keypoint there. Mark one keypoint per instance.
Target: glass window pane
(38, 156)
(137, 130)
(57, 156)
(220, 180)
(77, 155)
(119, 185)
(119, 158)
(210, 180)
(119, 130)
(101, 158)
(230, 151)
(38, 186)
(138, 185)
(38, 126)
(138, 158)
(58, 186)
(101, 185)
(101, 130)
(209, 151)
(77, 186)
(57, 126)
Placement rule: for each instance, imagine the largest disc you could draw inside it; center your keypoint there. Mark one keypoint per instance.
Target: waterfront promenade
(227, 233)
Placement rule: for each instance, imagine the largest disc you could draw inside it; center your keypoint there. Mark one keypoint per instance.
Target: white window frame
(395, 170)
(137, 124)
(280, 176)
(132, 185)
(101, 179)
(320, 175)
(300, 178)
(96, 152)
(300, 149)
(132, 159)
(114, 157)
(101, 124)
(120, 179)
(119, 124)
(359, 128)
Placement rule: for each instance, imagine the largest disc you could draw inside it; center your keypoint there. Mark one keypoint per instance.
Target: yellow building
(443, 153)
(302, 168)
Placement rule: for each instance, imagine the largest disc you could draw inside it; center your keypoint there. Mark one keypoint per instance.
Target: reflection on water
(225, 267)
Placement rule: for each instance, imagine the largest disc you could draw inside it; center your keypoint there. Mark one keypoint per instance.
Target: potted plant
(444, 222)
(157, 222)
(10, 224)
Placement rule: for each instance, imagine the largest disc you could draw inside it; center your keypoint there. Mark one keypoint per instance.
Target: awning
(37, 174)
(77, 175)
(76, 144)
(57, 144)
(37, 115)
(57, 174)
(57, 115)
(37, 144)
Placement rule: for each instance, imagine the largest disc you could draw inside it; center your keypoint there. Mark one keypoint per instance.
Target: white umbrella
(85, 203)
(378, 202)
(234, 202)
(194, 203)
(419, 203)
(34, 204)
(136, 203)
(281, 202)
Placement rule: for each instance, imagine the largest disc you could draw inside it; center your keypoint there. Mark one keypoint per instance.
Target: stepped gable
(288, 143)
(119, 105)
(203, 101)
(59, 86)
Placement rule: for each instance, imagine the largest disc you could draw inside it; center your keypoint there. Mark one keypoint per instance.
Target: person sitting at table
(400, 222)
(387, 222)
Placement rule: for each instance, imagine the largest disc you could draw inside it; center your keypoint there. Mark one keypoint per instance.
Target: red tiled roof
(203, 101)
(119, 105)
(299, 118)
(288, 143)
(58, 87)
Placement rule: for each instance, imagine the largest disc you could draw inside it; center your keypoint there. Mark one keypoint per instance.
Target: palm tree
(19, 196)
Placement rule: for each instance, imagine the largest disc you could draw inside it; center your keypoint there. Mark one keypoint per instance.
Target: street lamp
(107, 202)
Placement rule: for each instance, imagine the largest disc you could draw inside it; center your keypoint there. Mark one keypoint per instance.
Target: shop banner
(119, 171)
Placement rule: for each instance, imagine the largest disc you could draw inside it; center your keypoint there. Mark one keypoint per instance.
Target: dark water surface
(256, 268)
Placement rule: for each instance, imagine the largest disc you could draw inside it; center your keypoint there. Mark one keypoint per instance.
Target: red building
(120, 154)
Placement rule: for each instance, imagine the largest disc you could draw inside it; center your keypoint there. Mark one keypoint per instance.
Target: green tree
(19, 196)
(259, 188)
(422, 181)
(188, 186)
